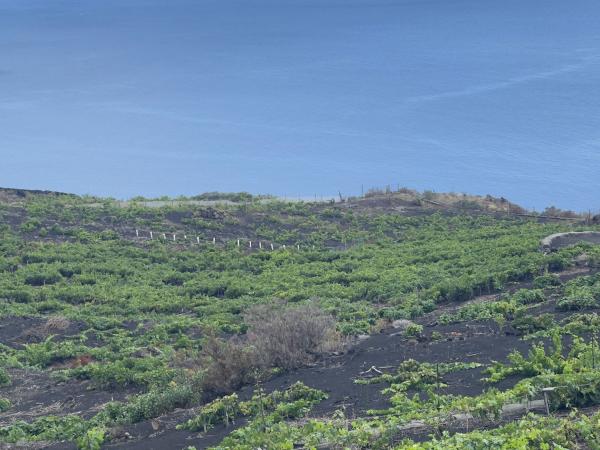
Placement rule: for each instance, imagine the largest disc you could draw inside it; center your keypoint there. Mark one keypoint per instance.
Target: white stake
(238, 242)
(271, 246)
(198, 240)
(298, 246)
(284, 246)
(259, 244)
(151, 235)
(185, 236)
(164, 236)
(137, 233)
(214, 241)
(173, 237)
(250, 244)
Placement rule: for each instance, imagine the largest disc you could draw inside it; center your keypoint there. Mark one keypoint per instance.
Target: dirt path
(561, 240)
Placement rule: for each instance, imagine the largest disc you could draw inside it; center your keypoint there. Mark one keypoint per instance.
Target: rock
(402, 324)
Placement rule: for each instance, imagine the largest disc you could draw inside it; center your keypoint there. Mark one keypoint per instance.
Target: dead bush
(229, 363)
(277, 337)
(290, 337)
(56, 324)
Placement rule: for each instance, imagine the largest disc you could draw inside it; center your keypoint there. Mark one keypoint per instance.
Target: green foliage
(30, 225)
(580, 293)
(546, 281)
(528, 296)
(223, 409)
(540, 361)
(139, 310)
(48, 428)
(152, 404)
(4, 377)
(528, 324)
(481, 311)
(577, 301)
(49, 351)
(5, 404)
(271, 408)
(412, 374)
(92, 439)
(413, 330)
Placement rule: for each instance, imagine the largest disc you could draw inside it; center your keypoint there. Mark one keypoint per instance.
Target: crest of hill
(9, 195)
(373, 200)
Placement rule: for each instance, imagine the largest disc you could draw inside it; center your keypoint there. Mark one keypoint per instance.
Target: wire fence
(191, 239)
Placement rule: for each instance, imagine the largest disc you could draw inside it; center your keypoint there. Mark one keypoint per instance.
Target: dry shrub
(80, 361)
(229, 363)
(277, 337)
(56, 324)
(290, 337)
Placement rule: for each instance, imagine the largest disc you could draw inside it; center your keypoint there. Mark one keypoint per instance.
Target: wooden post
(437, 390)
(546, 401)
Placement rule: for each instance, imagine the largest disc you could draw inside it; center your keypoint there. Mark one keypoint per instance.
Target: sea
(303, 98)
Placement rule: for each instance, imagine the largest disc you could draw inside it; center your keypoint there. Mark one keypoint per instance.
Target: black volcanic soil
(474, 341)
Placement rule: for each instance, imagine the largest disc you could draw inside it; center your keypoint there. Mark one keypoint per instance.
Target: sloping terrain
(110, 338)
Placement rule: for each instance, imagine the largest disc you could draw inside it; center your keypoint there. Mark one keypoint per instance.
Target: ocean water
(302, 97)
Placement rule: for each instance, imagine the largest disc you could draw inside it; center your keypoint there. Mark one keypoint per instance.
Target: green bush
(42, 278)
(92, 439)
(4, 377)
(528, 296)
(4, 404)
(413, 330)
(546, 281)
(576, 302)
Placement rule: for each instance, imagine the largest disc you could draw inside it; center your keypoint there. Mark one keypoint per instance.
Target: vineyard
(387, 322)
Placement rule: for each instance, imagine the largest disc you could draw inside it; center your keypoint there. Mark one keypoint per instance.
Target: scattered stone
(402, 324)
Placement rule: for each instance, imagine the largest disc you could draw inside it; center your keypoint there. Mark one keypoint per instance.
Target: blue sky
(302, 97)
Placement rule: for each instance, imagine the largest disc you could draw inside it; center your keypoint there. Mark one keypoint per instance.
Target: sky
(302, 97)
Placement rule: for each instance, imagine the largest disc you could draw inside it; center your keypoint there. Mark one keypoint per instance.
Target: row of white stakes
(214, 240)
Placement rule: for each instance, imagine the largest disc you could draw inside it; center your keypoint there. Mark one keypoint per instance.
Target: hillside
(395, 320)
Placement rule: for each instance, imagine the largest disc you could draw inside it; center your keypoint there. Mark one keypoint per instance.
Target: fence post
(546, 402)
